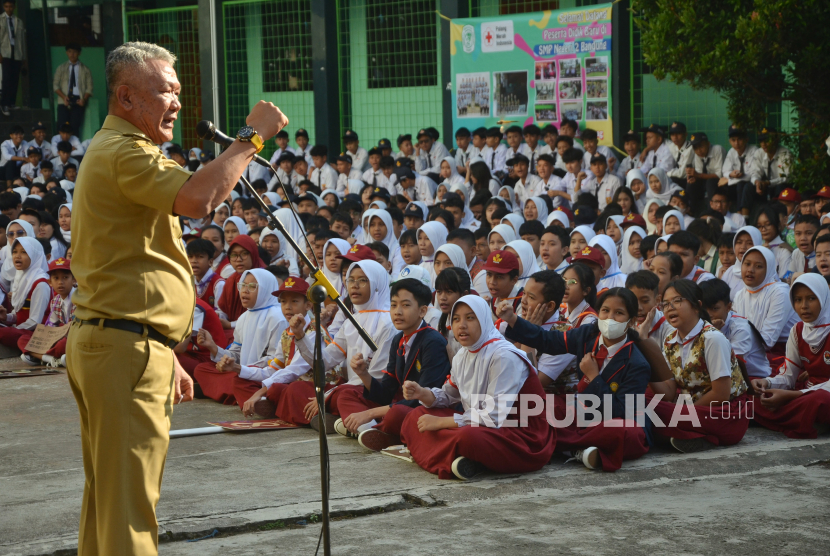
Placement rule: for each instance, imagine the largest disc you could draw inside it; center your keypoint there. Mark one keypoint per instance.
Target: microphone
(208, 132)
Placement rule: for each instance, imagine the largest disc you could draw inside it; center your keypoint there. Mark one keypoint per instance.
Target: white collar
(695, 332)
(578, 310)
(612, 350)
(691, 275)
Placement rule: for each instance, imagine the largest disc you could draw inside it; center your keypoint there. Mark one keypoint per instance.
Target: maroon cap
(358, 253)
(501, 262)
(60, 264)
(633, 220)
(292, 284)
(789, 195)
(589, 254)
(824, 193)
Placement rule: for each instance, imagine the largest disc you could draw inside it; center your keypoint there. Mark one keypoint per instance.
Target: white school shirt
(278, 153)
(602, 189)
(551, 366)
(255, 172)
(783, 255)
(732, 162)
(627, 163)
(495, 159)
(660, 328)
(57, 166)
(712, 163)
(333, 353)
(532, 155)
(38, 308)
(531, 187)
(480, 280)
(568, 183)
(281, 177)
(797, 261)
(717, 353)
(77, 149)
(737, 219)
(29, 171)
(793, 367)
(775, 169)
(259, 370)
(343, 181)
(682, 156)
(45, 149)
(463, 155)
(359, 159)
(431, 163)
(325, 177)
(746, 345)
(554, 183)
(375, 178)
(702, 278)
(603, 150)
(661, 158)
(8, 150)
(293, 369)
(423, 190)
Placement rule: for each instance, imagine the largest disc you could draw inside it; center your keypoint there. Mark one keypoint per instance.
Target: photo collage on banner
(540, 68)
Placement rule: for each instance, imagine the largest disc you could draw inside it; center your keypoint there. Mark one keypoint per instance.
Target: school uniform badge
(614, 386)
(827, 357)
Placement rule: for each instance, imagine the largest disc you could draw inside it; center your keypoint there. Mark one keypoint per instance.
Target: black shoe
(265, 408)
(465, 468)
(197, 392)
(691, 445)
(330, 419)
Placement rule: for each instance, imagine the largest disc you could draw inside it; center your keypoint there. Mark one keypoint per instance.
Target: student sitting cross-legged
(611, 363)
(30, 291)
(417, 353)
(487, 376)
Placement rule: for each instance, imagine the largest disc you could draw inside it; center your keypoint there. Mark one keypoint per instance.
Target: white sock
(366, 426)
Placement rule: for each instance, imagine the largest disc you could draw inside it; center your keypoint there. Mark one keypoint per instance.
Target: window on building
(286, 46)
(401, 43)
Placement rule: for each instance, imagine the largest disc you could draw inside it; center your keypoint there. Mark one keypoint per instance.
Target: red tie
(806, 265)
(601, 355)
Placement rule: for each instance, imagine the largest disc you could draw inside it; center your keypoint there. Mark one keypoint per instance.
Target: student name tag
(45, 337)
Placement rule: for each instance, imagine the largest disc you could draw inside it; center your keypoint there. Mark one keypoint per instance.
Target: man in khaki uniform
(135, 294)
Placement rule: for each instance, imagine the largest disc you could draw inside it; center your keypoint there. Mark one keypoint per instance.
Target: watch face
(246, 133)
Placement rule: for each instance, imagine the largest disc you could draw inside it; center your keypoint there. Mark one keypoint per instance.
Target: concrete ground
(261, 492)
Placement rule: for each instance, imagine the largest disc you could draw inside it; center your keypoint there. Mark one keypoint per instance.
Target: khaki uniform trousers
(123, 384)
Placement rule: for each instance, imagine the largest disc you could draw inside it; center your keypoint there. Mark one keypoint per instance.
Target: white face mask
(612, 329)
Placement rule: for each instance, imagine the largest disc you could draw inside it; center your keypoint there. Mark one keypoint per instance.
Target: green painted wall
(93, 57)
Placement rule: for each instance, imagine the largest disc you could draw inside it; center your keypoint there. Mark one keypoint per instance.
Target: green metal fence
(390, 66)
(176, 29)
(268, 57)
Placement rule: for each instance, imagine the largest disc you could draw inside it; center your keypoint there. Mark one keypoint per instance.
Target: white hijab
(378, 205)
(618, 220)
(815, 333)
(636, 174)
(757, 240)
(755, 304)
(271, 197)
(295, 230)
(541, 208)
(462, 189)
(436, 233)
(354, 186)
(365, 219)
(516, 220)
(527, 258)
(7, 272)
(559, 216)
(586, 232)
(455, 177)
(511, 203)
(677, 214)
(67, 235)
(334, 277)
(667, 187)
(629, 263)
(507, 233)
(664, 239)
(239, 222)
(24, 280)
(254, 327)
(456, 255)
(370, 314)
(652, 228)
(607, 245)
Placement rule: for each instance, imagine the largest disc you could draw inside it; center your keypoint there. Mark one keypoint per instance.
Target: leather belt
(132, 326)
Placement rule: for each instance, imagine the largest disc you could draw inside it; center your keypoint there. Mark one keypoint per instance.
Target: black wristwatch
(249, 135)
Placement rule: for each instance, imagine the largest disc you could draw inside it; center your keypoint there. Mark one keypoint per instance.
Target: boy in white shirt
(346, 171)
(739, 166)
(385, 147)
(681, 150)
(702, 178)
(602, 184)
(773, 164)
(463, 149)
(429, 153)
(322, 175)
(65, 134)
(494, 154)
(415, 188)
(281, 139)
(590, 140)
(373, 174)
(531, 148)
(631, 145)
(527, 185)
(514, 142)
(303, 148)
(405, 148)
(549, 135)
(31, 169)
(573, 179)
(39, 141)
(657, 153)
(355, 151)
(550, 183)
(479, 142)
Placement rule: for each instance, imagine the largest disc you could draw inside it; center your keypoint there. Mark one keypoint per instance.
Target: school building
(380, 67)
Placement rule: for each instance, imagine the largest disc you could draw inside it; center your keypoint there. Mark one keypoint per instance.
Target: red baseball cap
(567, 212)
(824, 192)
(60, 264)
(292, 284)
(501, 262)
(790, 195)
(589, 255)
(633, 220)
(358, 253)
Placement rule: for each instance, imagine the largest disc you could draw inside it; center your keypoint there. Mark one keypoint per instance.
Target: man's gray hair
(131, 56)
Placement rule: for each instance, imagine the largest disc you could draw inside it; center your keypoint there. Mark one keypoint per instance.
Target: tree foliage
(757, 54)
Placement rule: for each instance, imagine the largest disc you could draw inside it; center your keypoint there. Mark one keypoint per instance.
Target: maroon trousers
(722, 425)
(216, 385)
(57, 350)
(243, 389)
(351, 400)
(189, 360)
(291, 399)
(626, 441)
(797, 419)
(504, 450)
(10, 336)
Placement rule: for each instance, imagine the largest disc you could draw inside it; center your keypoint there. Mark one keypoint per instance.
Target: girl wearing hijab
(660, 186)
(30, 291)
(65, 221)
(528, 266)
(705, 369)
(507, 195)
(256, 340)
(221, 214)
(500, 236)
(673, 221)
(580, 237)
(451, 284)
(558, 216)
(798, 398)
(333, 249)
(275, 246)
(536, 209)
(381, 229)
(220, 264)
(650, 210)
(49, 230)
(632, 258)
(449, 172)
(233, 227)
(243, 256)
(294, 228)
(15, 229)
(614, 277)
(767, 222)
(444, 442)
(468, 221)
(431, 236)
(515, 221)
(450, 255)
(611, 367)
(765, 301)
(614, 230)
(368, 285)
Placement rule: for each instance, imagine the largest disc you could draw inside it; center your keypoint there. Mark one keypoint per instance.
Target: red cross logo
(488, 36)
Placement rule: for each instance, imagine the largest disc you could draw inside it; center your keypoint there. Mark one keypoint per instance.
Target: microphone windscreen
(205, 130)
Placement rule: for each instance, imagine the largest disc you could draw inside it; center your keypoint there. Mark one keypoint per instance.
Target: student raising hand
(297, 325)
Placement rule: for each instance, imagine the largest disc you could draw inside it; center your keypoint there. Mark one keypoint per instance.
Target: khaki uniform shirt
(129, 259)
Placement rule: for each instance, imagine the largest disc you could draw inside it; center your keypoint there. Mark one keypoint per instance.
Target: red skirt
(216, 385)
(615, 443)
(244, 389)
(291, 399)
(504, 449)
(722, 425)
(797, 419)
(10, 335)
